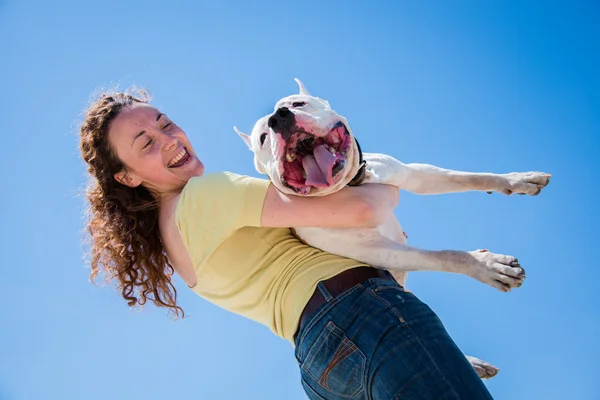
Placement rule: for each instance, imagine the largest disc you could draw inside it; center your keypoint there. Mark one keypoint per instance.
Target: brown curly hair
(125, 242)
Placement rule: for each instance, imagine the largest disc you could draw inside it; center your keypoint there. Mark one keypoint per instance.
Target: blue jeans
(377, 341)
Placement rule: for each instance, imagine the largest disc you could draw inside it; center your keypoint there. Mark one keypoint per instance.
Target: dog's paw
(530, 183)
(497, 270)
(484, 370)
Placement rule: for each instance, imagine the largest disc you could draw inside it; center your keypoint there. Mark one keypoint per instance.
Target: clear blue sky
(477, 86)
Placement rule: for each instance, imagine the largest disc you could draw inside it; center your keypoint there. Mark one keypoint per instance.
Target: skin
(385, 246)
(146, 141)
(146, 157)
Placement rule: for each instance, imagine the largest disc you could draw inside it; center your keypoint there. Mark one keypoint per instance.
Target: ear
(245, 137)
(301, 87)
(126, 179)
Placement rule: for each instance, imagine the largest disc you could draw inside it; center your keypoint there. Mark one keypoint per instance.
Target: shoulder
(222, 179)
(220, 190)
(222, 183)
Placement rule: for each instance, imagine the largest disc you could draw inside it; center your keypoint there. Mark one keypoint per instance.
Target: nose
(282, 122)
(170, 143)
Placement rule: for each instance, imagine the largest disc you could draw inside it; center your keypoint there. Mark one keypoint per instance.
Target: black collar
(362, 172)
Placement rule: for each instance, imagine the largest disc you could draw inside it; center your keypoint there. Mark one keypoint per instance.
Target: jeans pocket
(335, 363)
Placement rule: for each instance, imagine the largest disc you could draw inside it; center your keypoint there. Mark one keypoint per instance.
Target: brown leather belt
(336, 285)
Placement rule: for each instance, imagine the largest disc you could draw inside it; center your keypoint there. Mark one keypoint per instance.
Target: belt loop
(328, 297)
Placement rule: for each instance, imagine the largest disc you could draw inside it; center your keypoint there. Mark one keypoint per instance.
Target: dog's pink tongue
(319, 168)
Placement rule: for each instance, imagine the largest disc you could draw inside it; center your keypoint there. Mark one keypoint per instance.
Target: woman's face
(155, 151)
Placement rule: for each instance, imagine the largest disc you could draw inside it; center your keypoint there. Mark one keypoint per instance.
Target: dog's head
(304, 147)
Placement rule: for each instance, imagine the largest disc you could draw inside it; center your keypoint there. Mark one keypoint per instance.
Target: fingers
(501, 286)
(511, 281)
(499, 270)
(530, 183)
(484, 369)
(516, 272)
(539, 178)
(506, 260)
(491, 371)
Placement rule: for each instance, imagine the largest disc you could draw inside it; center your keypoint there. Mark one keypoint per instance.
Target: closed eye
(299, 104)
(148, 143)
(263, 137)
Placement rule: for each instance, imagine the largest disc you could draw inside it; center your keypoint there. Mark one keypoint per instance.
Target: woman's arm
(367, 205)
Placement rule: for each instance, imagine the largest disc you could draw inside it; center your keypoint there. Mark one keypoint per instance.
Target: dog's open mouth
(312, 161)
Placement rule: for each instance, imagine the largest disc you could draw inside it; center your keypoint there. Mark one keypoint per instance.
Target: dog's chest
(392, 229)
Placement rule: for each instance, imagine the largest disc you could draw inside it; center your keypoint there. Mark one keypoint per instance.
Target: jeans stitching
(324, 292)
(311, 390)
(324, 310)
(330, 326)
(389, 306)
(306, 365)
(431, 359)
(344, 350)
(399, 392)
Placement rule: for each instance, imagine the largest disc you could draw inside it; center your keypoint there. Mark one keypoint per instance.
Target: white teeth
(178, 157)
(332, 150)
(290, 157)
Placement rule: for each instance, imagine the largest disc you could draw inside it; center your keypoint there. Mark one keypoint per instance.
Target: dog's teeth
(290, 157)
(332, 150)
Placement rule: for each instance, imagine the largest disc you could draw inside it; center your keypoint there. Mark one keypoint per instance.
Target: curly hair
(125, 243)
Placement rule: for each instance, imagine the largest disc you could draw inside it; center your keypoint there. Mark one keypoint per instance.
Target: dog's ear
(301, 87)
(245, 137)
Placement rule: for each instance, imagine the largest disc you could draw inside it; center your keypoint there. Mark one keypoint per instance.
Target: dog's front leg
(371, 247)
(429, 179)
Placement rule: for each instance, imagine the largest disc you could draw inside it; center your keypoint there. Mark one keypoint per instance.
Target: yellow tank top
(264, 274)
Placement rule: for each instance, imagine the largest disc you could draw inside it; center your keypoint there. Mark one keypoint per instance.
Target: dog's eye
(299, 104)
(262, 138)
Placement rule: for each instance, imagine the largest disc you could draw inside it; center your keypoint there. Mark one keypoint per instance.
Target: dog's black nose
(282, 122)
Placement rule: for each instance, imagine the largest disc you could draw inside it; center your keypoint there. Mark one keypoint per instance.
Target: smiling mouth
(312, 161)
(180, 159)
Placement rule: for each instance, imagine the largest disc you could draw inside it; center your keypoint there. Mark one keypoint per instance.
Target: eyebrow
(142, 132)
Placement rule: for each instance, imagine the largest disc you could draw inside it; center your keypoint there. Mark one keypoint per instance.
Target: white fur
(385, 246)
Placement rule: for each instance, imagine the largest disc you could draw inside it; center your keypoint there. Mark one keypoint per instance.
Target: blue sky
(469, 85)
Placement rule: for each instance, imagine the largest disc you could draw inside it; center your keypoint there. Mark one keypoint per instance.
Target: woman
(357, 333)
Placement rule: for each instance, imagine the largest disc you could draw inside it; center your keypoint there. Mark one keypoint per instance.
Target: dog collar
(362, 172)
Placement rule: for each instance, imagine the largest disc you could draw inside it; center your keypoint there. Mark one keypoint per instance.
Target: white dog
(307, 149)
